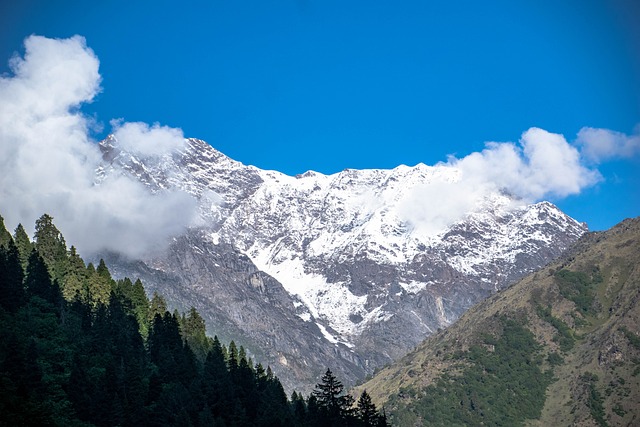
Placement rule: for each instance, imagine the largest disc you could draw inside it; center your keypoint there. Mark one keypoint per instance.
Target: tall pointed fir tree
(38, 281)
(5, 236)
(76, 278)
(23, 244)
(332, 403)
(11, 277)
(51, 245)
(367, 413)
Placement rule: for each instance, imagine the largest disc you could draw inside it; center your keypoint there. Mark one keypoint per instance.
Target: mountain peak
(375, 259)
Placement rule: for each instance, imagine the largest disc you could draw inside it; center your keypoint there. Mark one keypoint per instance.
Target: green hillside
(561, 347)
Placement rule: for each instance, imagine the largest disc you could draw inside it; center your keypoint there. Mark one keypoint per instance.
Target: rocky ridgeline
(327, 270)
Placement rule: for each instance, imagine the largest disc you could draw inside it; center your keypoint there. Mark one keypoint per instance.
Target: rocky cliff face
(331, 270)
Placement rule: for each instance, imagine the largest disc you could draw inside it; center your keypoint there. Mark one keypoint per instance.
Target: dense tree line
(500, 382)
(78, 348)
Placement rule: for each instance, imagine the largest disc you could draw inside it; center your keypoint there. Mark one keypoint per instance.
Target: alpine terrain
(560, 347)
(318, 271)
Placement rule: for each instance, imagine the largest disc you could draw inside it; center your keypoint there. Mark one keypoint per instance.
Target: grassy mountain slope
(560, 347)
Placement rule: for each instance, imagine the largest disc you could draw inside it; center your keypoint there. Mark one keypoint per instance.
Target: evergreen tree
(5, 236)
(366, 411)
(99, 284)
(11, 277)
(76, 278)
(23, 244)
(38, 282)
(331, 402)
(194, 333)
(85, 363)
(140, 307)
(299, 408)
(157, 306)
(217, 385)
(245, 385)
(232, 357)
(51, 246)
(103, 271)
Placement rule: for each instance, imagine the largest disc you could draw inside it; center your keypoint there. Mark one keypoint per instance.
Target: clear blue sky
(326, 85)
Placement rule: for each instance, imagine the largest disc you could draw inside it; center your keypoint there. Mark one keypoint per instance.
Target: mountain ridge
(582, 309)
(353, 249)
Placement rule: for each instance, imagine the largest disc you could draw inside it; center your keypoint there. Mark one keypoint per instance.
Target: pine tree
(232, 357)
(217, 385)
(299, 408)
(246, 390)
(76, 278)
(12, 295)
(5, 236)
(140, 307)
(99, 284)
(366, 410)
(195, 334)
(330, 400)
(38, 281)
(157, 306)
(103, 271)
(51, 246)
(24, 245)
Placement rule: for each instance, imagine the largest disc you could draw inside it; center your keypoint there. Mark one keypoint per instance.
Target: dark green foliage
(140, 307)
(298, 408)
(194, 333)
(76, 281)
(5, 236)
(100, 284)
(564, 337)
(594, 399)
(83, 361)
(51, 247)
(23, 244)
(38, 282)
(555, 359)
(578, 287)
(367, 412)
(12, 295)
(332, 403)
(500, 384)
(157, 306)
(634, 339)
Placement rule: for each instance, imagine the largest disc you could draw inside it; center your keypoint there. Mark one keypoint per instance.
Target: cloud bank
(149, 141)
(599, 145)
(48, 159)
(540, 166)
(543, 164)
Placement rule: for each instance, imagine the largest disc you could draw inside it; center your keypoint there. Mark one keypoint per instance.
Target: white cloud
(140, 138)
(48, 160)
(603, 144)
(542, 165)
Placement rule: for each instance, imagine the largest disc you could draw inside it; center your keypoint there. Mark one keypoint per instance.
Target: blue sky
(328, 85)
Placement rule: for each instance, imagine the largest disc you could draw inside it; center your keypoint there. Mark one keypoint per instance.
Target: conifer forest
(78, 348)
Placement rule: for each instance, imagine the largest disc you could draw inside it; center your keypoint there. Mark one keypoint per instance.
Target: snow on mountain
(347, 247)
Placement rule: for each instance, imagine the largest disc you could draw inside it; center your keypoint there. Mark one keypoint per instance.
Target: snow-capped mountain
(338, 261)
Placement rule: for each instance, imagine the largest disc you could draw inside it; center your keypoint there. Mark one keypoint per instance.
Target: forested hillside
(78, 348)
(561, 347)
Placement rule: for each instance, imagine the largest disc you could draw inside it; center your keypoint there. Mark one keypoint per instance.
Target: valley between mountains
(340, 271)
